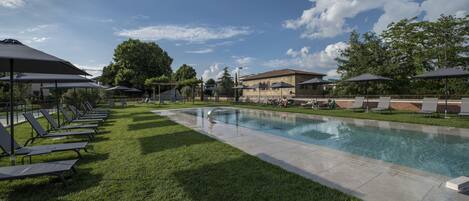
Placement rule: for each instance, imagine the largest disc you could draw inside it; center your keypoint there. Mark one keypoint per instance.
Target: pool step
(460, 184)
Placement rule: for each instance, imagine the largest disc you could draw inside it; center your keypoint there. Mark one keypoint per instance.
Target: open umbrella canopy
(255, 86)
(240, 87)
(315, 81)
(444, 73)
(45, 78)
(367, 77)
(29, 60)
(82, 85)
(278, 85)
(118, 88)
(133, 90)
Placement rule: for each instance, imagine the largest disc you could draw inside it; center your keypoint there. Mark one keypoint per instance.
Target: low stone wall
(396, 104)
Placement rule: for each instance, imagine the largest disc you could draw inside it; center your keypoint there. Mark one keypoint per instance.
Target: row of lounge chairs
(429, 105)
(93, 117)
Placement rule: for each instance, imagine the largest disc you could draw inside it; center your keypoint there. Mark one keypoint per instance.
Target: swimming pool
(437, 153)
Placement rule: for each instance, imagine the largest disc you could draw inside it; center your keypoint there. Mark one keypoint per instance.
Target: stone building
(262, 83)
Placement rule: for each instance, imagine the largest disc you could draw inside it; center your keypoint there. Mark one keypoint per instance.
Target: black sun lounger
(5, 145)
(41, 133)
(68, 117)
(96, 108)
(55, 125)
(56, 168)
(80, 115)
(90, 110)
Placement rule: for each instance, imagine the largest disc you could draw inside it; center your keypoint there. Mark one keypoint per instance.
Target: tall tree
(135, 61)
(185, 72)
(225, 88)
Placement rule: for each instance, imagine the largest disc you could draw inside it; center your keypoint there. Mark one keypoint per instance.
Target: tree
(185, 72)
(225, 88)
(134, 62)
(209, 87)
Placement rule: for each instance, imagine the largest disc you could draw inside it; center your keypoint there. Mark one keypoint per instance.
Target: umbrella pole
(366, 94)
(58, 102)
(12, 124)
(446, 97)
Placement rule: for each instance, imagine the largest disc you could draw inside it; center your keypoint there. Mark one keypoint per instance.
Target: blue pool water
(442, 154)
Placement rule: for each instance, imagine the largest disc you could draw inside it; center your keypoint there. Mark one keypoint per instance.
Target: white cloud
(243, 61)
(332, 74)
(434, 8)
(328, 18)
(395, 11)
(201, 51)
(214, 71)
(39, 39)
(94, 70)
(318, 61)
(39, 28)
(184, 33)
(11, 3)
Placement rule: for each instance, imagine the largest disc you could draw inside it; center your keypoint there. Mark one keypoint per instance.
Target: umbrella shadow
(168, 141)
(151, 124)
(248, 178)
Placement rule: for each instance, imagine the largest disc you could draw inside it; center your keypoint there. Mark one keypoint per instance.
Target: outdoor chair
(56, 168)
(42, 133)
(358, 103)
(429, 106)
(91, 111)
(69, 119)
(56, 126)
(5, 145)
(464, 107)
(80, 115)
(384, 104)
(97, 109)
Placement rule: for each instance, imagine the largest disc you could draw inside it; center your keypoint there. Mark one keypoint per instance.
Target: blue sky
(259, 35)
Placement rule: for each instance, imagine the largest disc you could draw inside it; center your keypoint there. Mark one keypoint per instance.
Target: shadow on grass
(51, 188)
(159, 143)
(147, 117)
(248, 178)
(151, 124)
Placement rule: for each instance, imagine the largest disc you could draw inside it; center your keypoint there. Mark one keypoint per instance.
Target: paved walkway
(362, 177)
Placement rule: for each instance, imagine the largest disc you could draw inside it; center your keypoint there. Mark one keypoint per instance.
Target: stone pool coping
(366, 178)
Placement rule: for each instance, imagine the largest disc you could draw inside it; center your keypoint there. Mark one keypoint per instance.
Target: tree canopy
(185, 72)
(135, 61)
(225, 88)
(406, 48)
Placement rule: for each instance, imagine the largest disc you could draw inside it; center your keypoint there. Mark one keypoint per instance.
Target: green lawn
(397, 116)
(142, 156)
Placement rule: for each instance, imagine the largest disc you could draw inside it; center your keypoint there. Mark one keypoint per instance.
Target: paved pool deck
(365, 178)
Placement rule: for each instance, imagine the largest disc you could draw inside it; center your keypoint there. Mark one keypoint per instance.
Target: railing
(20, 107)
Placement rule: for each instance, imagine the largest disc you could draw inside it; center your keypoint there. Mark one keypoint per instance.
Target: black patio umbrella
(47, 78)
(77, 85)
(445, 74)
(257, 86)
(281, 85)
(16, 57)
(315, 82)
(118, 88)
(367, 78)
(134, 90)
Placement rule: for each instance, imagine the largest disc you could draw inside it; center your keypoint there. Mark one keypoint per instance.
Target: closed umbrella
(367, 78)
(445, 74)
(16, 57)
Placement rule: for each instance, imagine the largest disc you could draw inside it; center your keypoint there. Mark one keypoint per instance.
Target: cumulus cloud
(243, 61)
(434, 8)
(11, 3)
(214, 71)
(184, 33)
(319, 61)
(201, 51)
(328, 18)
